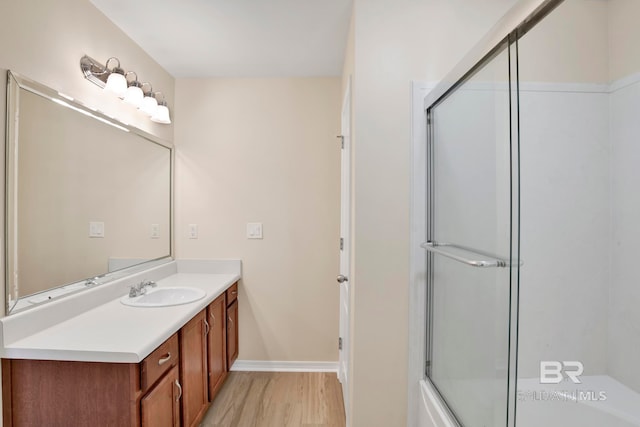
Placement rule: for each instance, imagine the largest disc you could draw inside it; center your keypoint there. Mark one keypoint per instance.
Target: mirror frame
(16, 82)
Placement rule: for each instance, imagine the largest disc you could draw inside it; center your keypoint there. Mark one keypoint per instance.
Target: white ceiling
(237, 38)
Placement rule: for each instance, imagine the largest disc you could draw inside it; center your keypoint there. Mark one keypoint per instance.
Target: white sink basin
(164, 297)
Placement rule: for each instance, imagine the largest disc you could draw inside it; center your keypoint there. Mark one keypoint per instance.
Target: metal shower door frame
(450, 84)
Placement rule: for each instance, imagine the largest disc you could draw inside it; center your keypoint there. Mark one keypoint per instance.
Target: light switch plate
(96, 229)
(193, 231)
(254, 230)
(155, 231)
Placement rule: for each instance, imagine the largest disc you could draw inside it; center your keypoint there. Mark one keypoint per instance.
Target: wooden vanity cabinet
(171, 387)
(217, 345)
(158, 362)
(60, 394)
(160, 407)
(232, 293)
(193, 370)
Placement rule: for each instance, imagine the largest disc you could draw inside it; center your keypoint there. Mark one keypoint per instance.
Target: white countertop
(114, 332)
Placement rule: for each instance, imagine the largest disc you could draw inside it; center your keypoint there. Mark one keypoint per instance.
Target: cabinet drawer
(159, 362)
(232, 293)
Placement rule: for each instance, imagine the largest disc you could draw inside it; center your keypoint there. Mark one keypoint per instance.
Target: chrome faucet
(141, 288)
(92, 282)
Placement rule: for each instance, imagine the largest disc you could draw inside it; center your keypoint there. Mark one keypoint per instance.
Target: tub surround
(94, 326)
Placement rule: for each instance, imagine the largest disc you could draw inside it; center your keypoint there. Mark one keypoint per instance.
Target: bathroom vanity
(79, 346)
(91, 360)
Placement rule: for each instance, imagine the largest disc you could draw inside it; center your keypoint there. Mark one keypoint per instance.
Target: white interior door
(345, 230)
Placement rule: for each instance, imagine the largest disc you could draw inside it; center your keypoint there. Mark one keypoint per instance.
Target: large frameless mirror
(87, 197)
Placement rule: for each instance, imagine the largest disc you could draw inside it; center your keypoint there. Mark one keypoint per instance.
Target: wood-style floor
(277, 399)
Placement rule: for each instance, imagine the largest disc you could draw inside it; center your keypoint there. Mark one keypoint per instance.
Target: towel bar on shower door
(489, 260)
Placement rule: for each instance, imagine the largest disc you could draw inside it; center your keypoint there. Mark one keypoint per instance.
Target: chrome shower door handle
(480, 259)
(342, 279)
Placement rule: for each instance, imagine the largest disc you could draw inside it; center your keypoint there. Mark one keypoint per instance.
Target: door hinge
(341, 141)
(339, 343)
(341, 243)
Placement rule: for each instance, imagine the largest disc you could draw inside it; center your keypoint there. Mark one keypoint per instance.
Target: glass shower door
(469, 244)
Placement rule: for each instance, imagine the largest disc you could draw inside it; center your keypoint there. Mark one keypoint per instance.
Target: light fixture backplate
(94, 71)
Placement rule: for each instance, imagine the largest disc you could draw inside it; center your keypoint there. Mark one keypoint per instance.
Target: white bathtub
(431, 412)
(599, 401)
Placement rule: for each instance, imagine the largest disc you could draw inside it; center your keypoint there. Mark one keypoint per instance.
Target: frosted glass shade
(161, 115)
(117, 84)
(149, 105)
(134, 96)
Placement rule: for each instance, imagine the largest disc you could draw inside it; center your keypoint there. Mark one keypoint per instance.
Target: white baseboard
(278, 366)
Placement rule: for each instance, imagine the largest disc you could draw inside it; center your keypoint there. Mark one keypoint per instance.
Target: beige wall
(624, 33)
(265, 150)
(569, 46)
(396, 41)
(583, 41)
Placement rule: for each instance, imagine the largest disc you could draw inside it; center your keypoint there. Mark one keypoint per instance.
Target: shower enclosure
(533, 215)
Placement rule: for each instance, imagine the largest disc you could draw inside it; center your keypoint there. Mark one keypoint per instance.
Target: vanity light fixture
(117, 81)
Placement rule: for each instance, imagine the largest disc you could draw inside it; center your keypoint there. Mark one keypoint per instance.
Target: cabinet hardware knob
(179, 389)
(206, 327)
(213, 316)
(230, 319)
(234, 292)
(164, 359)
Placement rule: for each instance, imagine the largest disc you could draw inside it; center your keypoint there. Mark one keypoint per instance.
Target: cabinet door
(161, 406)
(217, 345)
(193, 370)
(63, 393)
(232, 333)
